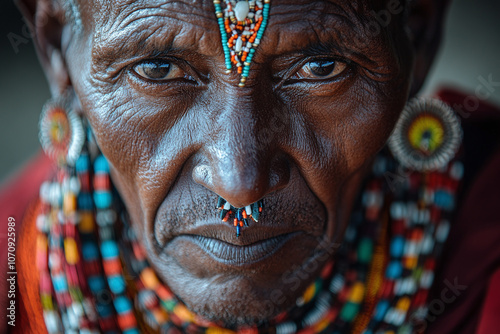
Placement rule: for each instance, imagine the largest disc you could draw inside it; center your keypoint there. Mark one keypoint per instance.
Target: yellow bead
(69, 203)
(86, 222)
(403, 304)
(267, 1)
(357, 293)
(216, 2)
(46, 300)
(149, 279)
(320, 326)
(41, 243)
(219, 14)
(309, 294)
(241, 84)
(71, 251)
(183, 313)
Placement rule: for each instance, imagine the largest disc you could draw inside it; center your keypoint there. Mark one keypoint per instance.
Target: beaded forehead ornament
(242, 24)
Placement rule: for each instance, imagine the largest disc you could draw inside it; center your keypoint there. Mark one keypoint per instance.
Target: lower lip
(234, 255)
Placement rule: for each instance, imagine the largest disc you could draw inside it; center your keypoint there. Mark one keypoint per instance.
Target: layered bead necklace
(95, 277)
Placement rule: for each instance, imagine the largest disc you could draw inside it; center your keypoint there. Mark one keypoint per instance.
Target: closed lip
(231, 254)
(254, 245)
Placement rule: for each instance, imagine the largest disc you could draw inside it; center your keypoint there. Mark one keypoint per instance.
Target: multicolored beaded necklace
(95, 276)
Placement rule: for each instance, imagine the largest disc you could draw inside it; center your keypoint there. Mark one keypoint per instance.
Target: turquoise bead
(103, 199)
(116, 284)
(109, 249)
(104, 310)
(122, 304)
(394, 270)
(444, 199)
(131, 331)
(381, 310)
(96, 284)
(90, 251)
(85, 201)
(60, 283)
(101, 165)
(82, 164)
(397, 246)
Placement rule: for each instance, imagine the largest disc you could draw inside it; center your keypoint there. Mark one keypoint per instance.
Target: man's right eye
(158, 70)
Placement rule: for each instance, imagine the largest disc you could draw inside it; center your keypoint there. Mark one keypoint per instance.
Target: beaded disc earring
(426, 136)
(61, 131)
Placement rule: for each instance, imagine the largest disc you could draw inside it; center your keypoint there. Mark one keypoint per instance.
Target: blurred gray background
(470, 54)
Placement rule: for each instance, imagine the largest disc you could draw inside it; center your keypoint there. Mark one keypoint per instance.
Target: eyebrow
(153, 32)
(154, 35)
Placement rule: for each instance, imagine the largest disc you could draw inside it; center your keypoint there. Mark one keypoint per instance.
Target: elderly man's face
(325, 88)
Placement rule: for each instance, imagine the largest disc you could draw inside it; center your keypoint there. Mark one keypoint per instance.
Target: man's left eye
(321, 69)
(158, 70)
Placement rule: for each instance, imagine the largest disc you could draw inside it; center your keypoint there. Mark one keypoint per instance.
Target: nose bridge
(242, 169)
(240, 162)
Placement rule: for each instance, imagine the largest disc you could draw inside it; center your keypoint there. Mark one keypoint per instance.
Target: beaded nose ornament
(242, 216)
(242, 25)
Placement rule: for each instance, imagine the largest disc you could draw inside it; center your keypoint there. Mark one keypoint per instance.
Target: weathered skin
(300, 142)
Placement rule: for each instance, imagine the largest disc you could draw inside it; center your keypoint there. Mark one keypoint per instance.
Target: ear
(425, 22)
(47, 22)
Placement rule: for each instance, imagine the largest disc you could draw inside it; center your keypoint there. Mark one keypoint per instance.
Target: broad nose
(243, 162)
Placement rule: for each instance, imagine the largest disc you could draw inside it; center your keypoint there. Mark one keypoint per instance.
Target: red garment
(15, 199)
(466, 294)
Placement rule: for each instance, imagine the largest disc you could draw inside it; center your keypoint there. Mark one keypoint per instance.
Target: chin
(236, 295)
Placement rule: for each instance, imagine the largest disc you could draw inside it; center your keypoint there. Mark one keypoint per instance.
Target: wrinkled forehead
(165, 24)
(101, 13)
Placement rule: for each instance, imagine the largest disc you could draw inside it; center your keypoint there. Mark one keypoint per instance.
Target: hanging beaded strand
(242, 216)
(242, 25)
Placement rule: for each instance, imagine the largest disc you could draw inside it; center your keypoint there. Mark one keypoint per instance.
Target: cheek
(140, 140)
(346, 131)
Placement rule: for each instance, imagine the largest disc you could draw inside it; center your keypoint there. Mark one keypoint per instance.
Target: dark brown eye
(157, 70)
(321, 69)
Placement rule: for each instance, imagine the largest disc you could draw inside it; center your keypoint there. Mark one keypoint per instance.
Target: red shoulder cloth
(466, 290)
(15, 199)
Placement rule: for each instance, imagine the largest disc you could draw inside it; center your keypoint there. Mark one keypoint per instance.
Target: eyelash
(189, 76)
(288, 78)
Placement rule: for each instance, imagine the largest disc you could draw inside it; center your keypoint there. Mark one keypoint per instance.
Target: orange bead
(183, 313)
(112, 267)
(126, 321)
(149, 279)
(86, 222)
(69, 203)
(164, 293)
